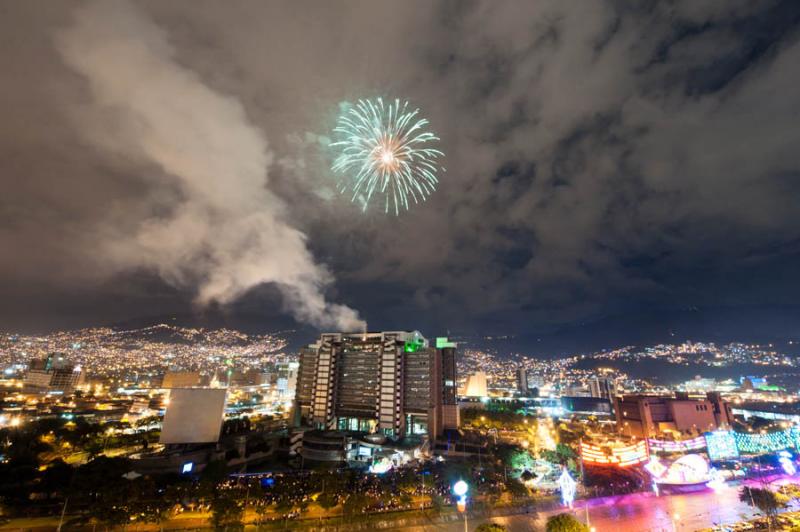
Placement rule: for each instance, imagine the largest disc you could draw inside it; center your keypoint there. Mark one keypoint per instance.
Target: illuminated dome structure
(688, 473)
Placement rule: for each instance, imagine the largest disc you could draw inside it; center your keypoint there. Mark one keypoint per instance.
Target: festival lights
(687, 470)
(717, 481)
(655, 467)
(721, 445)
(622, 456)
(785, 459)
(666, 446)
(763, 443)
(568, 487)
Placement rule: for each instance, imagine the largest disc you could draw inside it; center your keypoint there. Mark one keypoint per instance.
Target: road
(640, 512)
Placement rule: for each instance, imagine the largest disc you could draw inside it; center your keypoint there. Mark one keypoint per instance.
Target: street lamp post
(460, 490)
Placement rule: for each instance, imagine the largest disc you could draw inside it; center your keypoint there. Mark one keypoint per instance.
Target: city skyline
(426, 265)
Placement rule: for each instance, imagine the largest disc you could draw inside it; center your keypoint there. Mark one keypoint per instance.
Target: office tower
(603, 387)
(446, 361)
(394, 383)
(286, 383)
(522, 382)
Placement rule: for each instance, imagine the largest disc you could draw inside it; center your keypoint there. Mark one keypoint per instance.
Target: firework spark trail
(385, 150)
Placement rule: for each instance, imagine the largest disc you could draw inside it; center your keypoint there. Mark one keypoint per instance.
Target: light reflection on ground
(639, 512)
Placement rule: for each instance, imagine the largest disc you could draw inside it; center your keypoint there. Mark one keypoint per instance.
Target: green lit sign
(443, 342)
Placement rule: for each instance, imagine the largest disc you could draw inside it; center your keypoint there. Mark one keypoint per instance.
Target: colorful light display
(655, 467)
(620, 455)
(721, 445)
(666, 446)
(568, 487)
(381, 466)
(785, 459)
(763, 443)
(717, 481)
(688, 470)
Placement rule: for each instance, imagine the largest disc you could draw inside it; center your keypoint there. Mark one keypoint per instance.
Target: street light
(460, 489)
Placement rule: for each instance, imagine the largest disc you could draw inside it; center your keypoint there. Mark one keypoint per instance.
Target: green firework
(386, 154)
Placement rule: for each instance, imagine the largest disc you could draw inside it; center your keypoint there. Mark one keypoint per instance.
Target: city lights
(400, 266)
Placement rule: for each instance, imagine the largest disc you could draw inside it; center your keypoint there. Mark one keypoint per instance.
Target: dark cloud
(601, 157)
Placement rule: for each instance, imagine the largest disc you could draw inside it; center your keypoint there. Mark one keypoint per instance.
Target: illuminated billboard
(194, 415)
(617, 454)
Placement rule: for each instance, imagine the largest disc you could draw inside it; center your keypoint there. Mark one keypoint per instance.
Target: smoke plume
(222, 232)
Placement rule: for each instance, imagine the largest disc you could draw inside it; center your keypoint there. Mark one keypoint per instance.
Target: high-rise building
(53, 373)
(522, 381)
(286, 383)
(603, 387)
(394, 383)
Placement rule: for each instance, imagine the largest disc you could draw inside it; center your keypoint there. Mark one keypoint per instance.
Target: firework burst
(386, 154)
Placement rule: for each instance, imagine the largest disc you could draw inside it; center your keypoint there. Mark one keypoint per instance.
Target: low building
(359, 448)
(476, 385)
(180, 379)
(586, 405)
(784, 412)
(53, 374)
(700, 384)
(647, 416)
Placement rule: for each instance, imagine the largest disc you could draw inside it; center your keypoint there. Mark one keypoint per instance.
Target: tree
(356, 504)
(563, 455)
(490, 527)
(791, 491)
(516, 488)
(227, 510)
(437, 503)
(147, 504)
(263, 509)
(565, 523)
(103, 492)
(327, 500)
(768, 502)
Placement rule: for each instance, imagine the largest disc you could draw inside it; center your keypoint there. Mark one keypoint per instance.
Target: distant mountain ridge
(778, 325)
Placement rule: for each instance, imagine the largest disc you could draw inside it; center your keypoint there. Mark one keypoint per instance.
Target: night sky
(604, 160)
